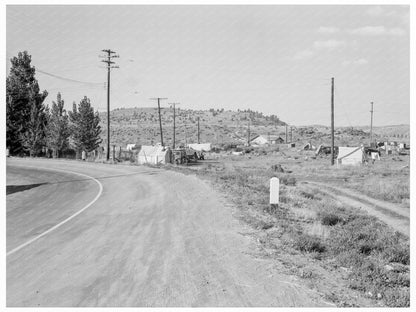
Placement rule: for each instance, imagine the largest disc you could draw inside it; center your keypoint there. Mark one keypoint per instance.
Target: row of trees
(32, 126)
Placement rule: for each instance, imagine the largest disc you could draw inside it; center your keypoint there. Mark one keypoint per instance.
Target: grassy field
(351, 257)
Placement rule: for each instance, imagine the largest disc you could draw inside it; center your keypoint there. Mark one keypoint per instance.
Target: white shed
(350, 156)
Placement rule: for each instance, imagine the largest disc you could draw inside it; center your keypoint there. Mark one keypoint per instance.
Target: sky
(277, 59)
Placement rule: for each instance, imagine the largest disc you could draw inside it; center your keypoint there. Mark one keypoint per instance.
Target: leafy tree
(57, 130)
(84, 127)
(24, 104)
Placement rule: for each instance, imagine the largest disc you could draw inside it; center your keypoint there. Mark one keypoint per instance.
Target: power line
(68, 79)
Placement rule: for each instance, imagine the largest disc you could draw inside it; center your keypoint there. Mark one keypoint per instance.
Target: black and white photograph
(198, 154)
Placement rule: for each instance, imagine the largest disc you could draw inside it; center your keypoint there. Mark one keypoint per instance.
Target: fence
(117, 153)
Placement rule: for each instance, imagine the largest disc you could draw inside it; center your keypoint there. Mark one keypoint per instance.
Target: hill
(141, 125)
(218, 126)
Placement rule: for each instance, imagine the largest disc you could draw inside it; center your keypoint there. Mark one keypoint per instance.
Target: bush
(307, 195)
(371, 277)
(287, 180)
(397, 297)
(397, 253)
(308, 243)
(330, 218)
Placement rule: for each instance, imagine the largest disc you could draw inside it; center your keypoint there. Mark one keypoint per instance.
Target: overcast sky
(275, 59)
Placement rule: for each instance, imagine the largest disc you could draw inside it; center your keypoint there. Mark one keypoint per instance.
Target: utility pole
(286, 134)
(332, 121)
(248, 132)
(174, 124)
(110, 55)
(198, 129)
(371, 126)
(160, 119)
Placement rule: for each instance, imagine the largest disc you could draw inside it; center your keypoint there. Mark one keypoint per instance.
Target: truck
(182, 156)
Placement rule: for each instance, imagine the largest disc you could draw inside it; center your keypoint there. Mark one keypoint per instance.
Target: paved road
(130, 236)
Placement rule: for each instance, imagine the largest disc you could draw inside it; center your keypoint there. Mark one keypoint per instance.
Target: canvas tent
(350, 156)
(309, 146)
(202, 147)
(266, 139)
(154, 155)
(130, 147)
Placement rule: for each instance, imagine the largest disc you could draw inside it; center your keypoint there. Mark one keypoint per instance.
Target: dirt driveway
(131, 236)
(394, 215)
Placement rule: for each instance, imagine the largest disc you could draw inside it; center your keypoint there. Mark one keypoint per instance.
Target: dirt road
(105, 235)
(394, 215)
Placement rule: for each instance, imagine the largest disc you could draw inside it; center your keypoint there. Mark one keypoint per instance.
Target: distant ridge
(219, 127)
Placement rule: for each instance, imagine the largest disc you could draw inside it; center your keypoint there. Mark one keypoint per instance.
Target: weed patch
(308, 243)
(330, 219)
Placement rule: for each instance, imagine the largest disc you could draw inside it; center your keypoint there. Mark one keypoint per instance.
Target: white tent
(130, 147)
(202, 147)
(350, 156)
(154, 155)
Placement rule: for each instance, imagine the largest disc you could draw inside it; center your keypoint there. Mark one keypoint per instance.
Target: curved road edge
(67, 219)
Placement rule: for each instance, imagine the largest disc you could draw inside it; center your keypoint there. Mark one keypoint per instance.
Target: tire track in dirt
(395, 216)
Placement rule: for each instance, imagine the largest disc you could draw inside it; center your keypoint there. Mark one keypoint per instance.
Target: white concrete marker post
(274, 193)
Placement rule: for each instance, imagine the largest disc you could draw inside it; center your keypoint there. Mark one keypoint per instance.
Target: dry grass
(310, 223)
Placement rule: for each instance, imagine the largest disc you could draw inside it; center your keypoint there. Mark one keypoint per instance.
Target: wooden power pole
(198, 130)
(248, 133)
(160, 119)
(332, 121)
(371, 125)
(110, 55)
(286, 134)
(174, 124)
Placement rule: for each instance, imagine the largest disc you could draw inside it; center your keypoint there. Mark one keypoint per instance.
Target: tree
(22, 93)
(57, 130)
(84, 127)
(33, 137)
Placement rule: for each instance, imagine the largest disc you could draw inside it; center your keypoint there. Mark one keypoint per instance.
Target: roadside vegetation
(331, 246)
